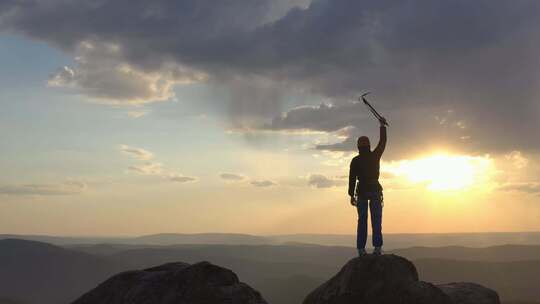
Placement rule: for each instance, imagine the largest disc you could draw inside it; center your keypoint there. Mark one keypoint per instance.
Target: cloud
(322, 181)
(422, 60)
(517, 159)
(101, 74)
(263, 183)
(67, 188)
(325, 117)
(524, 187)
(149, 168)
(232, 176)
(181, 178)
(137, 153)
(138, 58)
(411, 131)
(347, 140)
(156, 169)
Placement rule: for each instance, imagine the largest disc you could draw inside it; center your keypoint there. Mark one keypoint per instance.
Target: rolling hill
(35, 272)
(284, 274)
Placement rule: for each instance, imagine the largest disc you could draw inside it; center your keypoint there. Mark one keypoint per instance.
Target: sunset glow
(444, 172)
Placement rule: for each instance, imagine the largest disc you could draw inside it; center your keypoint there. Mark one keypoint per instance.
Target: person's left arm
(352, 182)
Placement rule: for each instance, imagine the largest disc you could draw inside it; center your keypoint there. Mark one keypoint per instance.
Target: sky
(138, 117)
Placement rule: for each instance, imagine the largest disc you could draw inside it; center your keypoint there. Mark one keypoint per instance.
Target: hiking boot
(377, 251)
(361, 252)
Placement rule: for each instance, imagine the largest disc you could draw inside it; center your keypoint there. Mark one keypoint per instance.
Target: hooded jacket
(365, 167)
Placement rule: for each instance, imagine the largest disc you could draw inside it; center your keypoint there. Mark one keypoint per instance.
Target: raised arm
(382, 141)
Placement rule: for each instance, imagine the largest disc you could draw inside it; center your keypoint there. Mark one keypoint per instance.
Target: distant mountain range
(517, 280)
(502, 253)
(39, 273)
(154, 239)
(392, 240)
(35, 272)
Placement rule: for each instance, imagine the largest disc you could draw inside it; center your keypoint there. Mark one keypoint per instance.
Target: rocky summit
(174, 283)
(390, 279)
(369, 279)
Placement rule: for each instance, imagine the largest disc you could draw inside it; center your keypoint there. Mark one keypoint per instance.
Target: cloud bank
(458, 72)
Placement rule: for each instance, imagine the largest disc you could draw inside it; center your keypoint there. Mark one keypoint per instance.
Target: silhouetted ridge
(390, 279)
(36, 272)
(200, 283)
(18, 246)
(201, 238)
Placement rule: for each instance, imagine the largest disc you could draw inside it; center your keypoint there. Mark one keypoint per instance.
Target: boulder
(174, 283)
(391, 279)
(469, 293)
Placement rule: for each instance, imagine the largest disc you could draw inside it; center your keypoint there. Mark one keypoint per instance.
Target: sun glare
(442, 172)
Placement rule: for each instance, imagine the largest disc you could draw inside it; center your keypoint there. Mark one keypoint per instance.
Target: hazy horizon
(269, 235)
(393, 241)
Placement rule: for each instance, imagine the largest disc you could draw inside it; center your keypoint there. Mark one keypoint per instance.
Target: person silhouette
(364, 184)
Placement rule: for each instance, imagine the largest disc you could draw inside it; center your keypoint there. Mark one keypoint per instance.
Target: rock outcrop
(469, 293)
(390, 279)
(174, 283)
(370, 279)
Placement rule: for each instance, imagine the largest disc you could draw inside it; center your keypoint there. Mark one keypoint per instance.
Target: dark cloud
(475, 58)
(133, 52)
(101, 72)
(426, 60)
(411, 130)
(325, 117)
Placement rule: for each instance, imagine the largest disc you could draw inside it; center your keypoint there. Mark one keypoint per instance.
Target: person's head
(363, 144)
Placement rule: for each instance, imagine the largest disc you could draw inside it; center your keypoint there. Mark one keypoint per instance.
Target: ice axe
(372, 109)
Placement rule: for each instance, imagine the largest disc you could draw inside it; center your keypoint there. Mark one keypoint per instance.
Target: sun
(444, 172)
